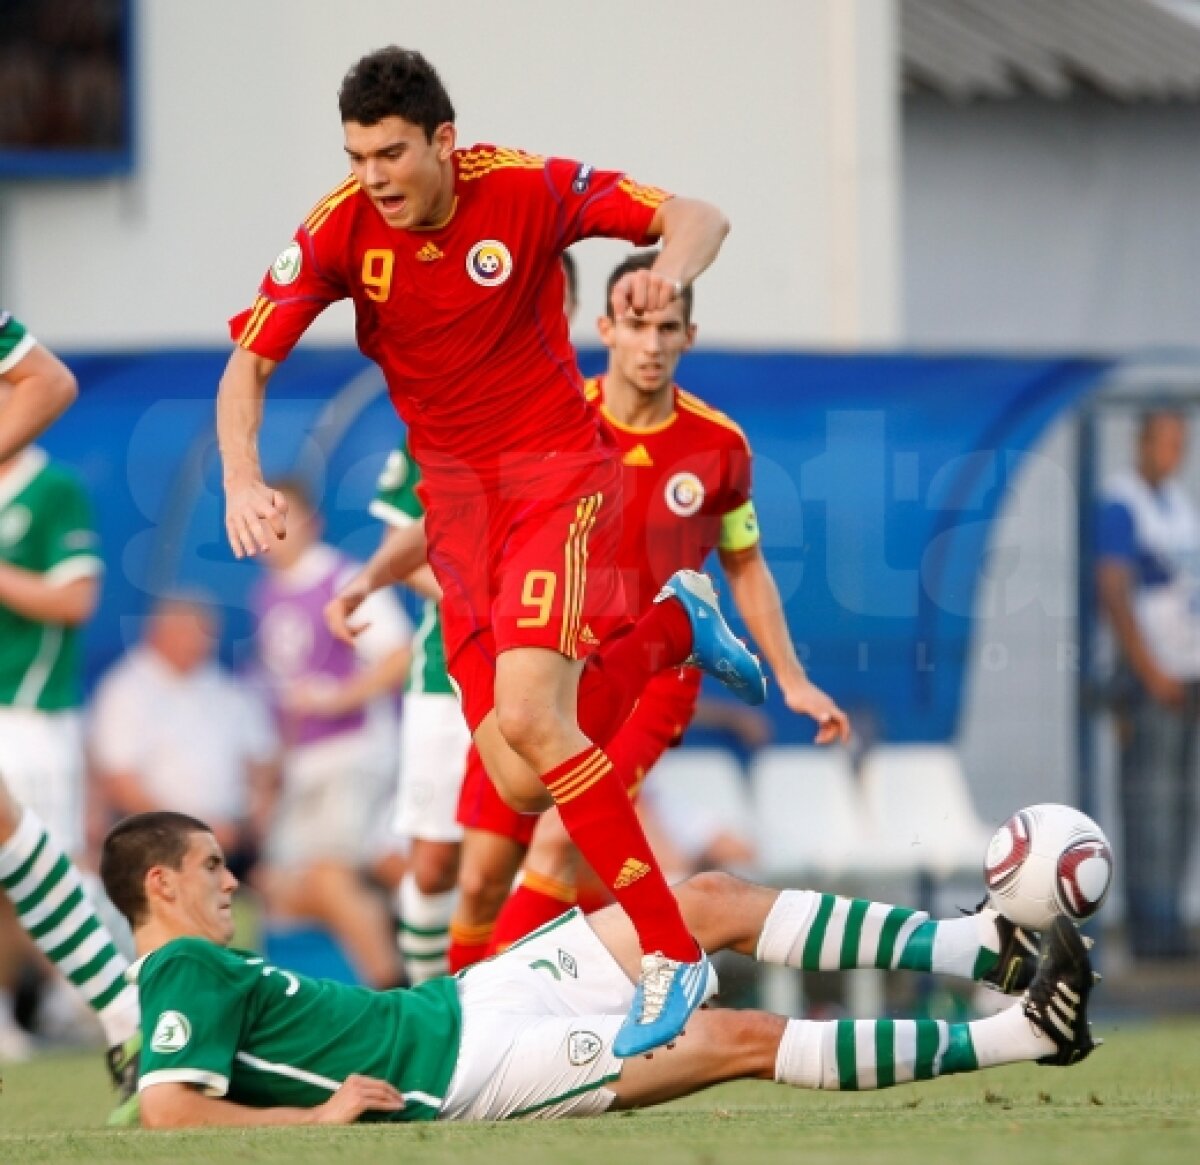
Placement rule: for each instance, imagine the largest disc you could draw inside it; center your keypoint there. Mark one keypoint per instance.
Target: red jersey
(686, 491)
(465, 319)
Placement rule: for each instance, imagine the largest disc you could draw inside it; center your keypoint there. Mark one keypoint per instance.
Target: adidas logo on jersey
(638, 456)
(430, 252)
(588, 637)
(632, 871)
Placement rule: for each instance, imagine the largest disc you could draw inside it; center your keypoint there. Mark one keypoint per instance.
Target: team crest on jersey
(583, 1048)
(14, 525)
(684, 494)
(489, 263)
(171, 1033)
(286, 269)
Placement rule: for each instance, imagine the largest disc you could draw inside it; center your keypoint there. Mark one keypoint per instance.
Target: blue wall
(877, 479)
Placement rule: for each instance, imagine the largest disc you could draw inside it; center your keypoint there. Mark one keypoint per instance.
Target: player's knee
(435, 870)
(527, 730)
(712, 889)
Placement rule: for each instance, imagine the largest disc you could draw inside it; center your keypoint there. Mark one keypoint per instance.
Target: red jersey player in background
(452, 260)
(687, 491)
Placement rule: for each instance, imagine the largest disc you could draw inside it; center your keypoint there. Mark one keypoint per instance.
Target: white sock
(1009, 1038)
(53, 906)
(826, 932)
(798, 1061)
(424, 937)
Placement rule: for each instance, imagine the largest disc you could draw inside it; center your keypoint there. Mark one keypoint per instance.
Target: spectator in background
(1148, 579)
(334, 711)
(172, 729)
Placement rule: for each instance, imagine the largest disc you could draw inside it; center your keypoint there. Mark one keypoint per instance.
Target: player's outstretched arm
(182, 1106)
(757, 599)
(255, 514)
(692, 233)
(41, 388)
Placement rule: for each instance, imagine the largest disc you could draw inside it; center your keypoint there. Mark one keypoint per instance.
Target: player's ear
(445, 137)
(691, 336)
(604, 326)
(159, 885)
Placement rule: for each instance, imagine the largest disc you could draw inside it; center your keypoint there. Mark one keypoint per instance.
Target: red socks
(468, 945)
(598, 815)
(536, 901)
(620, 668)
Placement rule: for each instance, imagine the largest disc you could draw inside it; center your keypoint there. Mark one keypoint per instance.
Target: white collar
(315, 564)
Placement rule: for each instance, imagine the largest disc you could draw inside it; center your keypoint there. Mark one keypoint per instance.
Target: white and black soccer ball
(1047, 860)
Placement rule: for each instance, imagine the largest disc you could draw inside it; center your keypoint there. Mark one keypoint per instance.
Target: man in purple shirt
(334, 710)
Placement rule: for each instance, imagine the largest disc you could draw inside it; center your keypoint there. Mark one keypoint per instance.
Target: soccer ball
(1048, 860)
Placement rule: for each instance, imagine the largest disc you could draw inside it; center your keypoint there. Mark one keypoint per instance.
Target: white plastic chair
(712, 779)
(808, 814)
(919, 810)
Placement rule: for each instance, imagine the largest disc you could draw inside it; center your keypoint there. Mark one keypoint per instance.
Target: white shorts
(41, 763)
(538, 1024)
(334, 793)
(434, 740)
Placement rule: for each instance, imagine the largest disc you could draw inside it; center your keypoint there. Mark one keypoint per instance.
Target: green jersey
(396, 503)
(45, 527)
(15, 342)
(264, 1037)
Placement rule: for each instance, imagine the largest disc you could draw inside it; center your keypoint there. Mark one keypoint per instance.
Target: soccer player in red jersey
(687, 491)
(452, 259)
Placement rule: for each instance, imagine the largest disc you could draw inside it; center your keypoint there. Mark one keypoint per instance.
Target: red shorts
(531, 563)
(657, 723)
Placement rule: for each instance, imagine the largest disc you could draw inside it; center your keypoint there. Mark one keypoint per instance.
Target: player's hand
(255, 516)
(358, 1094)
(342, 606)
(806, 699)
(638, 292)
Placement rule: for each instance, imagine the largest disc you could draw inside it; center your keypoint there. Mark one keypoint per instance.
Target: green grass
(1136, 1100)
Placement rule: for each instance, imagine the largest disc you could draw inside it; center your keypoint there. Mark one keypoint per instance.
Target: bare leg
(434, 865)
(489, 864)
(723, 912)
(552, 853)
(717, 1046)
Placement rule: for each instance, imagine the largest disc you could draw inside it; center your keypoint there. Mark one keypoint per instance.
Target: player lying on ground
(231, 1040)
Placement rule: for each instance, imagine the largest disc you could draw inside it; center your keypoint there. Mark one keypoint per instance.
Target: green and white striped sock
(424, 935)
(825, 932)
(45, 888)
(860, 1054)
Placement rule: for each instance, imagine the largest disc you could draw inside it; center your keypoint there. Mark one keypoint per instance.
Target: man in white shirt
(170, 728)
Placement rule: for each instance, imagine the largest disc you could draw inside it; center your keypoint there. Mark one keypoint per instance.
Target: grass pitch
(1136, 1100)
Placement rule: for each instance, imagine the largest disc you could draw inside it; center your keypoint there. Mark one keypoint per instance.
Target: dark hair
(134, 847)
(642, 261)
(395, 82)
